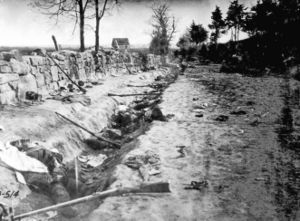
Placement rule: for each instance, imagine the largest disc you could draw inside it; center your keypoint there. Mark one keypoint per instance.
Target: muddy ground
(237, 136)
(37, 121)
(240, 134)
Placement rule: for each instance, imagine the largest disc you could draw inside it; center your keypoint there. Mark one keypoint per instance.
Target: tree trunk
(97, 26)
(81, 25)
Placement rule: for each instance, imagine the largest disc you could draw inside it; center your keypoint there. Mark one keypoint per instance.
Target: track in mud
(279, 172)
(287, 171)
(249, 156)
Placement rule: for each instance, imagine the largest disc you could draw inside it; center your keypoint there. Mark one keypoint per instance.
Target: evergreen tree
(198, 33)
(235, 18)
(217, 26)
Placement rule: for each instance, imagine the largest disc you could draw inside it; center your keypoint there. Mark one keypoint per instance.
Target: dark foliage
(217, 25)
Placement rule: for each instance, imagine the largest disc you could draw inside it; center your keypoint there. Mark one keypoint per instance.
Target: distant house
(120, 43)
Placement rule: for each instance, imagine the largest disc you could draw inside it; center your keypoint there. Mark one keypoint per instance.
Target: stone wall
(39, 74)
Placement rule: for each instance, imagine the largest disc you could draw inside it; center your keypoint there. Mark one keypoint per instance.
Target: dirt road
(240, 134)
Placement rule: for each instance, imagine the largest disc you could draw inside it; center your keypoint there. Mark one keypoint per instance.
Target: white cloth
(19, 161)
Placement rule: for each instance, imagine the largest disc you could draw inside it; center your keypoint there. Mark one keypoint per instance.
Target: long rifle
(90, 132)
(128, 95)
(62, 70)
(161, 187)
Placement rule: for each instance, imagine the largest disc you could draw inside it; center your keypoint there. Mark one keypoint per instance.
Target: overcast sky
(21, 25)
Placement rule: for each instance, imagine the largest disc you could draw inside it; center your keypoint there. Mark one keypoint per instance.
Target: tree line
(270, 24)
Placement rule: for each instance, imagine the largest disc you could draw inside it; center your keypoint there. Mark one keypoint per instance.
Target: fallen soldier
(52, 183)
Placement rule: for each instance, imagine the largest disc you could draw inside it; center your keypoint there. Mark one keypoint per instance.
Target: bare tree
(101, 7)
(164, 28)
(76, 9)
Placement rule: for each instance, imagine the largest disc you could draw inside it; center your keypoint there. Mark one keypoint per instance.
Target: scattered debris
(201, 106)
(97, 144)
(250, 103)
(147, 164)
(134, 162)
(70, 98)
(83, 158)
(123, 108)
(199, 115)
(114, 134)
(158, 78)
(153, 172)
(95, 161)
(33, 96)
(78, 98)
(170, 116)
(220, 188)
(222, 118)
(81, 83)
(238, 112)
(254, 122)
(194, 185)
(146, 104)
(181, 151)
(260, 179)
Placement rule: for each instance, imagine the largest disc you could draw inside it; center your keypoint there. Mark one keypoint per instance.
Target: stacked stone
(39, 74)
(11, 73)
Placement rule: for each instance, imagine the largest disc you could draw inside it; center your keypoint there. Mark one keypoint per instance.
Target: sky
(22, 25)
